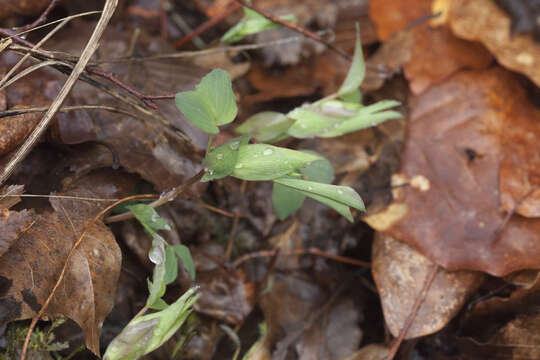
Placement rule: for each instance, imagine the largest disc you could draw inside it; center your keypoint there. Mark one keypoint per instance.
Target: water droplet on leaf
(234, 145)
(219, 156)
(238, 166)
(268, 152)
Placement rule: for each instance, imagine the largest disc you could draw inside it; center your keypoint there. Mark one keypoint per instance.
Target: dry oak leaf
(435, 53)
(451, 210)
(399, 272)
(31, 266)
(484, 21)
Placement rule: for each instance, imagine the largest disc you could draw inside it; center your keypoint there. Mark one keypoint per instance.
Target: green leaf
(362, 121)
(212, 103)
(310, 123)
(352, 97)
(337, 197)
(160, 304)
(156, 287)
(144, 334)
(267, 126)
(320, 171)
(149, 218)
(197, 111)
(252, 23)
(184, 255)
(357, 71)
(216, 89)
(267, 162)
(286, 200)
(220, 161)
(171, 265)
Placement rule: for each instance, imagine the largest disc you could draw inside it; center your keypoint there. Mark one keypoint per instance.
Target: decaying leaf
(400, 271)
(484, 21)
(12, 225)
(33, 263)
(290, 309)
(435, 52)
(451, 208)
(227, 296)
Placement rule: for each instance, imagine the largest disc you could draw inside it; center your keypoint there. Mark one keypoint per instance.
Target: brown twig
(36, 318)
(414, 311)
(228, 250)
(165, 198)
(41, 19)
(79, 67)
(204, 27)
(295, 27)
(309, 251)
(147, 99)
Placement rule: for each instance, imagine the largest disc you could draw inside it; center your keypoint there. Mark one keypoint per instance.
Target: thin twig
(87, 53)
(165, 198)
(295, 27)
(27, 55)
(207, 25)
(414, 311)
(310, 251)
(41, 19)
(113, 109)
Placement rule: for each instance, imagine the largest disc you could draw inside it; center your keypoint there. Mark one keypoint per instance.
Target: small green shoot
(252, 23)
(212, 103)
(144, 334)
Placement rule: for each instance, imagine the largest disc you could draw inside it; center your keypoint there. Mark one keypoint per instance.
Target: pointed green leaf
(171, 265)
(310, 123)
(342, 194)
(156, 287)
(267, 126)
(286, 200)
(267, 162)
(144, 334)
(220, 161)
(340, 208)
(184, 255)
(362, 121)
(149, 218)
(356, 73)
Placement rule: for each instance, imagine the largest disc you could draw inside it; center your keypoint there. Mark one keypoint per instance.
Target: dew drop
(268, 152)
(234, 145)
(219, 156)
(310, 188)
(238, 166)
(340, 192)
(303, 126)
(156, 255)
(155, 217)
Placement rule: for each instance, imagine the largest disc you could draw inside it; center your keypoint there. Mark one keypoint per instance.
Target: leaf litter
(454, 185)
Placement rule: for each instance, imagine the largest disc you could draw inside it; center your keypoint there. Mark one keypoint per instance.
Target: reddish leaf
(435, 53)
(451, 212)
(484, 21)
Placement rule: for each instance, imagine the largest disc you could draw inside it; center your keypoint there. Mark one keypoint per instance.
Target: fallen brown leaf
(451, 211)
(399, 272)
(484, 21)
(32, 264)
